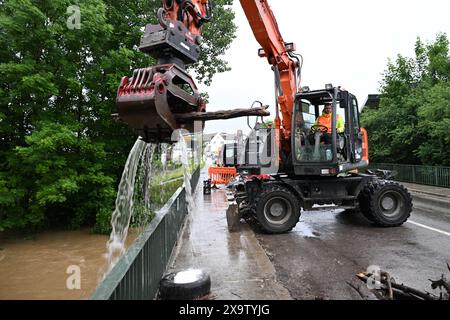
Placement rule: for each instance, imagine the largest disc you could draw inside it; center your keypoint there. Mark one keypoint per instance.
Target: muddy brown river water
(37, 268)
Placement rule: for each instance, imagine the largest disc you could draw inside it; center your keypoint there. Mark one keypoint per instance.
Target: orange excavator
(317, 165)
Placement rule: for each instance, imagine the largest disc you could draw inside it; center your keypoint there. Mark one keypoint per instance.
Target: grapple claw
(150, 100)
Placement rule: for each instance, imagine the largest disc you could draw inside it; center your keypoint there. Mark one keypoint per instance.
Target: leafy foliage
(412, 123)
(61, 154)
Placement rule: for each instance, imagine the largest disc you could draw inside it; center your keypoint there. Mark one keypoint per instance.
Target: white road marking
(429, 228)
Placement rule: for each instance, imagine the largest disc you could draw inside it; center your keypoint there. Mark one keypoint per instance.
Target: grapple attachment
(154, 99)
(150, 101)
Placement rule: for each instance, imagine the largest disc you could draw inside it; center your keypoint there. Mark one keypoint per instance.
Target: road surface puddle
(306, 231)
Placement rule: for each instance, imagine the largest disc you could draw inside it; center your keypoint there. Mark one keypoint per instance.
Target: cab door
(356, 136)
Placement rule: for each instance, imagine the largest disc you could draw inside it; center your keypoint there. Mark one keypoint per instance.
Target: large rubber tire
(386, 203)
(277, 209)
(363, 199)
(197, 288)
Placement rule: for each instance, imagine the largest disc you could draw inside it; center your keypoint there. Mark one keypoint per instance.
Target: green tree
(268, 124)
(434, 125)
(411, 124)
(61, 154)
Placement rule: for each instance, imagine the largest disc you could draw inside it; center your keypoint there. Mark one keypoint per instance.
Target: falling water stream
(133, 202)
(164, 150)
(123, 212)
(164, 154)
(142, 206)
(187, 172)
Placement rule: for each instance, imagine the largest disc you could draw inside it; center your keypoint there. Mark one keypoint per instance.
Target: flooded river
(36, 268)
(70, 264)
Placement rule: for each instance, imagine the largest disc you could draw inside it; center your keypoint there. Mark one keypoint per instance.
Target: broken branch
(404, 289)
(389, 284)
(441, 283)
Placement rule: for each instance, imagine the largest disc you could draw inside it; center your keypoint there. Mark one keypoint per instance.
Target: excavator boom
(279, 54)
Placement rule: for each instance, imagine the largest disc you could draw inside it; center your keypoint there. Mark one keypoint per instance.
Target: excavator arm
(152, 99)
(162, 98)
(193, 13)
(279, 54)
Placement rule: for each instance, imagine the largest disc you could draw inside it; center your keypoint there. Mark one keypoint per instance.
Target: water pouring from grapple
(121, 217)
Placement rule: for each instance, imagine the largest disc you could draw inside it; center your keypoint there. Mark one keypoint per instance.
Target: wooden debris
(390, 290)
(387, 278)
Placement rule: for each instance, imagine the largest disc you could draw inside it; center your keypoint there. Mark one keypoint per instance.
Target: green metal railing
(429, 175)
(137, 274)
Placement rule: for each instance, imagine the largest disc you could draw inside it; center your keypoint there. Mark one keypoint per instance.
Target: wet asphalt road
(327, 249)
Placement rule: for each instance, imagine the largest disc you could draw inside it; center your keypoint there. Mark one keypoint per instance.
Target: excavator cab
(327, 149)
(322, 173)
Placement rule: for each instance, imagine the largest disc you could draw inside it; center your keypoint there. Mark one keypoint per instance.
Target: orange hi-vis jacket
(325, 120)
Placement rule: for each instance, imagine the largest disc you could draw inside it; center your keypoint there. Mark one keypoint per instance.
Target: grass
(162, 188)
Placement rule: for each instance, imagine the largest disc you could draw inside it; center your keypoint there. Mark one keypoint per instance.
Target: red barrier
(222, 175)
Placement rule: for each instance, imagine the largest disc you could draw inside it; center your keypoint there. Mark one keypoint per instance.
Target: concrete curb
(425, 200)
(444, 197)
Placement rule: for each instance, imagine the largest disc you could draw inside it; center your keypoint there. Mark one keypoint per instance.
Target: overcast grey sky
(345, 42)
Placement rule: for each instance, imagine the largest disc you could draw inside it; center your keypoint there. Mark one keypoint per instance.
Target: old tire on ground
(386, 203)
(185, 285)
(277, 209)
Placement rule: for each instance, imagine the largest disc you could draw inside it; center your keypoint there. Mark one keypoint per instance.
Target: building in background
(372, 102)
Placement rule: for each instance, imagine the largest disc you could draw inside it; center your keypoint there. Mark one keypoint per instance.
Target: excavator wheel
(385, 203)
(277, 209)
